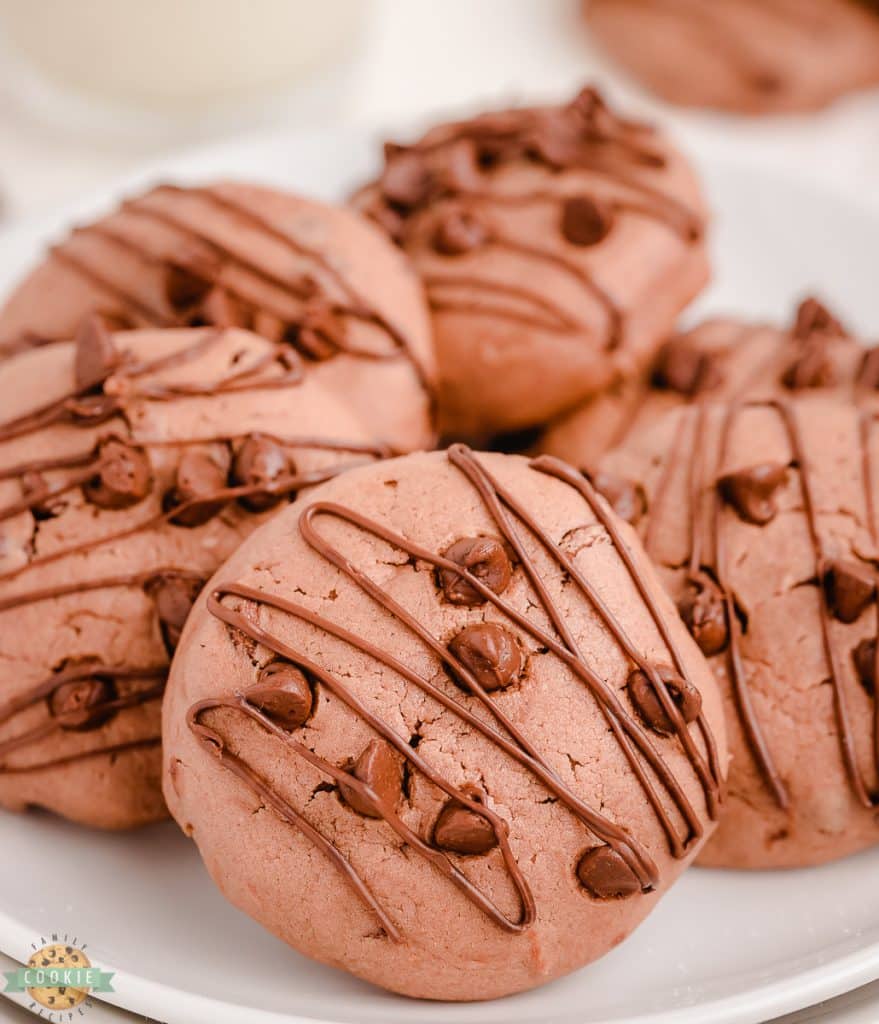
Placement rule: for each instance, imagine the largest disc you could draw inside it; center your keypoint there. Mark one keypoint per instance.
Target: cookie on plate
(762, 519)
(317, 278)
(724, 360)
(558, 246)
(749, 56)
(131, 465)
(438, 724)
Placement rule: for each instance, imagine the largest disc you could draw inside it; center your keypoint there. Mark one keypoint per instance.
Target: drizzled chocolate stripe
(506, 512)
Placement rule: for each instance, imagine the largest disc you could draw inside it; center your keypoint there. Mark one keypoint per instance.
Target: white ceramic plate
(722, 947)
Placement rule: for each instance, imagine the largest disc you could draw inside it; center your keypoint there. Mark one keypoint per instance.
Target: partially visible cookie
(752, 56)
(722, 360)
(438, 724)
(762, 518)
(558, 246)
(318, 278)
(131, 465)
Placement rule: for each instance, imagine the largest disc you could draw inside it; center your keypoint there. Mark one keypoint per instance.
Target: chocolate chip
(585, 221)
(282, 692)
(82, 702)
(646, 702)
(123, 479)
(681, 367)
(625, 497)
(491, 654)
(173, 597)
(814, 317)
(486, 559)
(260, 462)
(864, 657)
(320, 333)
(406, 180)
(751, 491)
(868, 372)
(201, 473)
(91, 410)
(460, 830)
(849, 588)
(379, 768)
(605, 875)
(185, 287)
(813, 368)
(704, 612)
(459, 231)
(96, 356)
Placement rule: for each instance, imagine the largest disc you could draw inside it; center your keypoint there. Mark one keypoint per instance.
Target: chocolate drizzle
(511, 523)
(448, 177)
(113, 382)
(845, 588)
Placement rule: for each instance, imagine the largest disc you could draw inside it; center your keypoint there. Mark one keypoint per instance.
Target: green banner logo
(56, 977)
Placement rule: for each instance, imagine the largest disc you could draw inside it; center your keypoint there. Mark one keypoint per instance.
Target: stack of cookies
(449, 717)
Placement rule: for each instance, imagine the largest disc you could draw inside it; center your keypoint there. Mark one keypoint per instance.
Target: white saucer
(722, 947)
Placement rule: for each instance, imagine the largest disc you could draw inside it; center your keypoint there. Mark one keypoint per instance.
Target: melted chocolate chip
(459, 231)
(201, 473)
(814, 317)
(605, 875)
(173, 597)
(80, 703)
(320, 333)
(646, 702)
(849, 588)
(282, 692)
(379, 768)
(625, 497)
(123, 479)
(460, 830)
(91, 410)
(96, 355)
(260, 462)
(486, 559)
(406, 180)
(751, 491)
(813, 367)
(703, 610)
(681, 367)
(585, 221)
(491, 654)
(185, 287)
(864, 657)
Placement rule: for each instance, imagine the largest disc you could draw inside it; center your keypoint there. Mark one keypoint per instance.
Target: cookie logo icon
(59, 977)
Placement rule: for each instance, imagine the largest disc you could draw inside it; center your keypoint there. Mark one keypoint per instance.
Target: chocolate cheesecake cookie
(131, 465)
(762, 519)
(438, 724)
(751, 56)
(557, 246)
(722, 360)
(319, 279)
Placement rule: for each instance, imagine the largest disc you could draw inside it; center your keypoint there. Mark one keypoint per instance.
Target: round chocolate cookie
(750, 56)
(319, 279)
(131, 465)
(439, 725)
(724, 360)
(762, 519)
(557, 246)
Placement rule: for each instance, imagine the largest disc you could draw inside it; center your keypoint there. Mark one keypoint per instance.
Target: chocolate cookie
(131, 465)
(438, 724)
(319, 279)
(557, 245)
(723, 360)
(762, 519)
(753, 56)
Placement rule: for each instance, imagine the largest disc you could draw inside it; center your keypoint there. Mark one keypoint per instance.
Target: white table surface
(417, 57)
